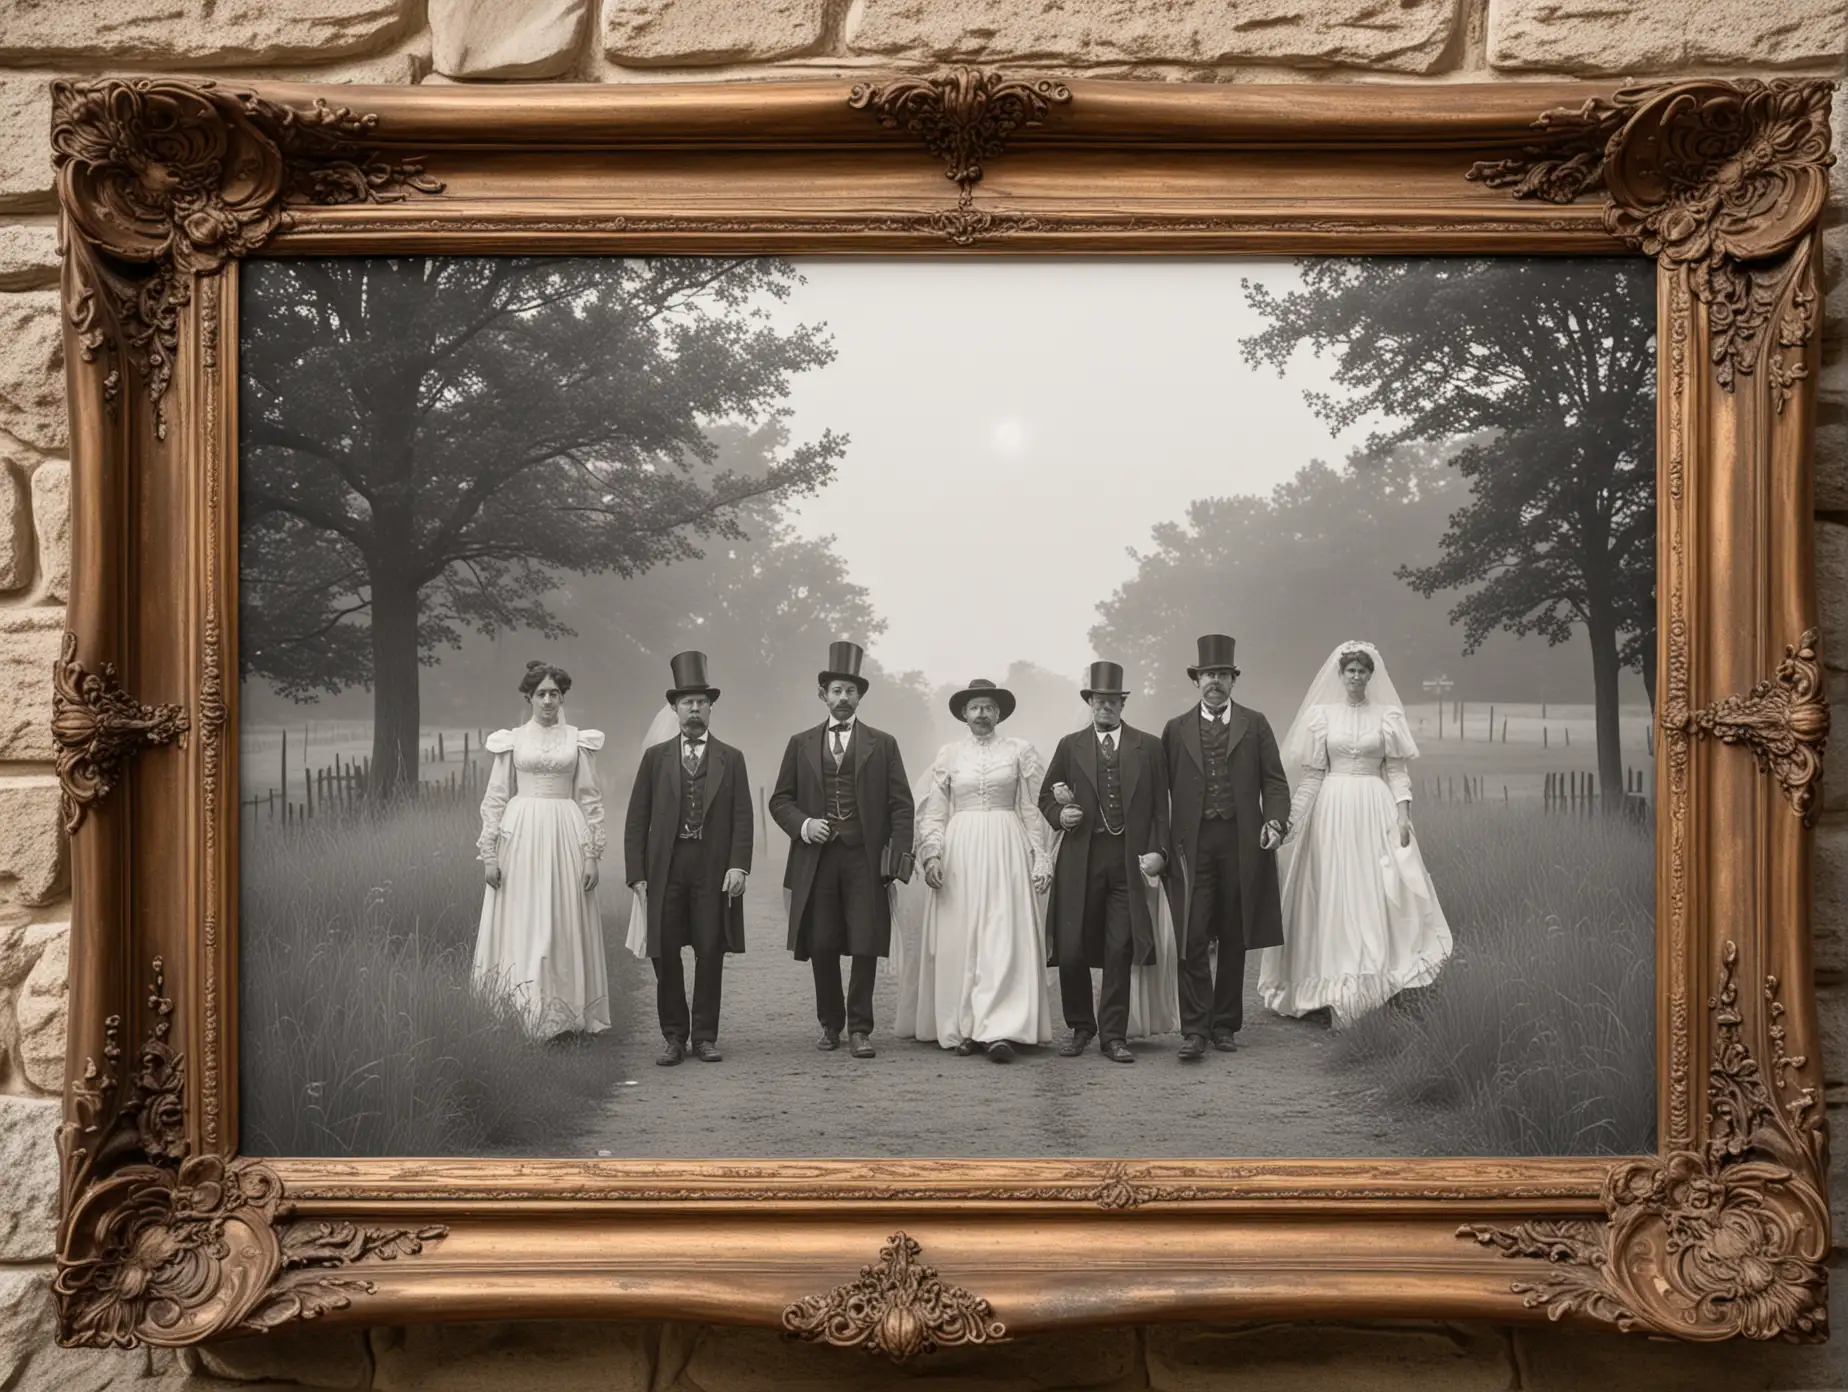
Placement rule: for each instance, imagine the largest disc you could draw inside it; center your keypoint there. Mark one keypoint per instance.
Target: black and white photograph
(966, 707)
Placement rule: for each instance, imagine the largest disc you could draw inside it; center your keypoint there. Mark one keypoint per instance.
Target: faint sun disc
(1009, 437)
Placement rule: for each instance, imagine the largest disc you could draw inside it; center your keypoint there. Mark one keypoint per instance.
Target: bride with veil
(1361, 921)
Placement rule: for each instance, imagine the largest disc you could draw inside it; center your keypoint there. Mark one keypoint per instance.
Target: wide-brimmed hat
(689, 670)
(1105, 679)
(981, 686)
(1215, 651)
(844, 661)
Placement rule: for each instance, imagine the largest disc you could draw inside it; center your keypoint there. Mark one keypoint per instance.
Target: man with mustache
(689, 835)
(1106, 790)
(844, 801)
(1230, 810)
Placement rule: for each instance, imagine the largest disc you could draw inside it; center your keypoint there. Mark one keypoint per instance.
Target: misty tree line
(598, 450)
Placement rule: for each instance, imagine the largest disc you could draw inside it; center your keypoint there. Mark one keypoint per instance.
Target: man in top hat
(688, 835)
(843, 798)
(1230, 810)
(1106, 789)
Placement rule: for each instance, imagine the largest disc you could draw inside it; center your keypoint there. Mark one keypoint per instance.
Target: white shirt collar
(849, 722)
(686, 740)
(1102, 735)
(1224, 716)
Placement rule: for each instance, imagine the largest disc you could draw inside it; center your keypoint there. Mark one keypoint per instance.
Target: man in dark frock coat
(1231, 808)
(842, 797)
(687, 842)
(1107, 790)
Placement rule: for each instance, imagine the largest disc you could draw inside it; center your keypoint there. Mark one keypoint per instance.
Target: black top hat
(1215, 651)
(981, 686)
(690, 677)
(844, 661)
(1106, 679)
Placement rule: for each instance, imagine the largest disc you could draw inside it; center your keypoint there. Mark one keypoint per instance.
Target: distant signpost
(1439, 686)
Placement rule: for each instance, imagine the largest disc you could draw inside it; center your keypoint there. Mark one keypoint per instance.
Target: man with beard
(844, 801)
(1230, 810)
(1106, 791)
(689, 835)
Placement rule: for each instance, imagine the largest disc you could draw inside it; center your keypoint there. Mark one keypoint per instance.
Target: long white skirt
(981, 971)
(540, 934)
(1361, 921)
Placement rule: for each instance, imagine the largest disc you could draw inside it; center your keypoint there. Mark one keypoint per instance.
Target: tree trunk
(1601, 629)
(396, 709)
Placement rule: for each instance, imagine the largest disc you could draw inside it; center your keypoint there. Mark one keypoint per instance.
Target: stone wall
(404, 41)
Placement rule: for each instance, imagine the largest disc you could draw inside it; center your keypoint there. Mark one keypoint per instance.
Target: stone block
(25, 137)
(733, 1359)
(1831, 473)
(29, 1160)
(1314, 1357)
(672, 33)
(1829, 902)
(29, 639)
(506, 38)
(303, 1356)
(32, 369)
(587, 1356)
(1637, 36)
(20, 947)
(1832, 592)
(51, 524)
(42, 1013)
(28, 255)
(1409, 36)
(33, 865)
(15, 525)
(200, 33)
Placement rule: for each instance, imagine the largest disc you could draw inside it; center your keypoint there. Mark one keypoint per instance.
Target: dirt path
(775, 1095)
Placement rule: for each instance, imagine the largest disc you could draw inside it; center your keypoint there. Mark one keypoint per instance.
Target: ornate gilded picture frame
(168, 188)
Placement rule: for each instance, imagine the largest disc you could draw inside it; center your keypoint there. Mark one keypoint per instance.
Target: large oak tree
(430, 445)
(1545, 368)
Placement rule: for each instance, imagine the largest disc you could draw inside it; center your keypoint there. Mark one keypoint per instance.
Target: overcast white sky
(1016, 425)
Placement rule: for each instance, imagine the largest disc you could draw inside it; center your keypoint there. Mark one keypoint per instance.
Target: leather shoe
(672, 1051)
(1118, 1052)
(1001, 1051)
(862, 1046)
(830, 1040)
(1075, 1042)
(706, 1051)
(1224, 1042)
(967, 1047)
(1193, 1049)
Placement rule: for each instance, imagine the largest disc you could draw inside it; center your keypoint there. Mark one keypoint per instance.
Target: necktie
(690, 755)
(840, 739)
(1109, 744)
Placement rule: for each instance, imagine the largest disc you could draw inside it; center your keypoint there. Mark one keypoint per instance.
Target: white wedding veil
(1326, 690)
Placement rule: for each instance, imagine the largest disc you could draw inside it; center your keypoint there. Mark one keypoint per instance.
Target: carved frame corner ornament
(1721, 178)
(1783, 721)
(163, 180)
(964, 117)
(162, 1247)
(97, 727)
(899, 1308)
(1722, 1240)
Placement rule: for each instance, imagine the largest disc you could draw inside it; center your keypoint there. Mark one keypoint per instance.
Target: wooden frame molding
(171, 1236)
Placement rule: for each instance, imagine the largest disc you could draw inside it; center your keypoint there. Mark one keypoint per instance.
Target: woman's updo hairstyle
(1360, 655)
(537, 672)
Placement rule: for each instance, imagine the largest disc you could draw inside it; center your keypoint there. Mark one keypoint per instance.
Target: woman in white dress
(1361, 921)
(541, 840)
(983, 845)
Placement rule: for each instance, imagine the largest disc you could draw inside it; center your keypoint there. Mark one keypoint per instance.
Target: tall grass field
(361, 1033)
(1539, 1036)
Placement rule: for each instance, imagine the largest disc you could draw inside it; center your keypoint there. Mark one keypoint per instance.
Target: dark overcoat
(1263, 794)
(1144, 773)
(884, 797)
(654, 821)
